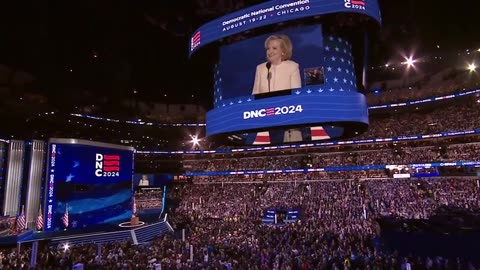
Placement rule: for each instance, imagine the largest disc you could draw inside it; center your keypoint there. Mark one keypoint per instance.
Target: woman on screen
(144, 182)
(279, 72)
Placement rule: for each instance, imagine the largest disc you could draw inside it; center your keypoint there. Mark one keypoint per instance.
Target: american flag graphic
(195, 40)
(65, 217)
(262, 138)
(21, 220)
(318, 133)
(111, 163)
(134, 208)
(40, 219)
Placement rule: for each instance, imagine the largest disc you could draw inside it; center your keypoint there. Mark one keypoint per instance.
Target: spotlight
(471, 67)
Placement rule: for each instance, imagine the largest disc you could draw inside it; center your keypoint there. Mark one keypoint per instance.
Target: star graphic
(297, 92)
(69, 177)
(76, 163)
(333, 58)
(329, 68)
(337, 49)
(249, 99)
(331, 89)
(344, 80)
(240, 101)
(320, 90)
(335, 79)
(327, 48)
(341, 59)
(339, 69)
(309, 91)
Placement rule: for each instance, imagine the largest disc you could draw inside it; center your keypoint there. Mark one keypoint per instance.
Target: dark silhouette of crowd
(446, 82)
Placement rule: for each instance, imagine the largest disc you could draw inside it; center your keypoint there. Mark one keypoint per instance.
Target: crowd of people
(442, 119)
(446, 82)
(338, 228)
(148, 199)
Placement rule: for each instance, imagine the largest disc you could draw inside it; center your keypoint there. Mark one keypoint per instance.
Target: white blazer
(284, 76)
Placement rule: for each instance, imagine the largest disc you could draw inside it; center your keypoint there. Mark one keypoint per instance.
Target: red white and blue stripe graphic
(318, 133)
(262, 138)
(358, 2)
(65, 217)
(270, 111)
(21, 221)
(111, 163)
(195, 40)
(40, 219)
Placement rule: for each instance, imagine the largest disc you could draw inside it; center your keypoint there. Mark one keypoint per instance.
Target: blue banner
(276, 11)
(295, 109)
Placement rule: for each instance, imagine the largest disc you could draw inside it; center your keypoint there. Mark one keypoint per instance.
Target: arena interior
(404, 194)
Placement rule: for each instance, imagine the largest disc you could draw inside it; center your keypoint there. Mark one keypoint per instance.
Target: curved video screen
(276, 11)
(297, 84)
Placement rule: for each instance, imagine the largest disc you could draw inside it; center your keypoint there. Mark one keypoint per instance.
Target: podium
(134, 220)
(277, 93)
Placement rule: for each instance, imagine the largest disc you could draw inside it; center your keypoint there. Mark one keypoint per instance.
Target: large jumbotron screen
(295, 83)
(94, 180)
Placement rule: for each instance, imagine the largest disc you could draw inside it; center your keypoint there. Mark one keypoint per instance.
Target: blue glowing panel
(276, 11)
(93, 181)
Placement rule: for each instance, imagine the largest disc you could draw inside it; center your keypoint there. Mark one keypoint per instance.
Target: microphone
(269, 75)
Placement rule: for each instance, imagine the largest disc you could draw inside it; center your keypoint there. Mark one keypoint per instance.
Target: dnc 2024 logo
(107, 165)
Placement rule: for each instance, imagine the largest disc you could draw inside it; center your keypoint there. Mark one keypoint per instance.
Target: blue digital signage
(276, 11)
(93, 180)
(289, 81)
(324, 91)
(299, 108)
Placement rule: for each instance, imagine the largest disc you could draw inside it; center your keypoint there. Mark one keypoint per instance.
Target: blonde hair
(285, 45)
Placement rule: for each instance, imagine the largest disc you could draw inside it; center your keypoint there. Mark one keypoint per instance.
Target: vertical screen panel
(3, 157)
(14, 178)
(35, 175)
